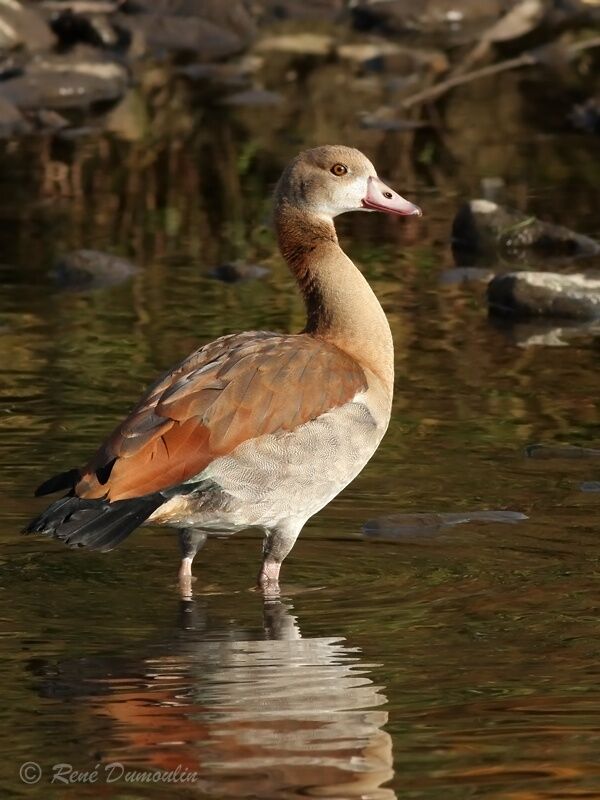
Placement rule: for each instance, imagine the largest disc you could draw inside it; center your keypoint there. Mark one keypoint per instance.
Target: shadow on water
(233, 711)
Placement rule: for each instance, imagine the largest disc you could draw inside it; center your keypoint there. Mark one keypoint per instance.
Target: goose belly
(289, 475)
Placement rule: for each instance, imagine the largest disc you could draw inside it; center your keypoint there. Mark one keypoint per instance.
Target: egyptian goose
(256, 429)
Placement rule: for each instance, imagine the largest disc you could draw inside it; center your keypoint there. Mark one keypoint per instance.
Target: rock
(545, 293)
(410, 526)
(90, 269)
(483, 227)
(547, 451)
(22, 26)
(80, 78)
(156, 34)
(253, 98)
(96, 29)
(12, 123)
(465, 19)
(232, 15)
(236, 271)
(309, 44)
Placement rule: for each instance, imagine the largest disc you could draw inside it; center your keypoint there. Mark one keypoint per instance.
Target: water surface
(462, 664)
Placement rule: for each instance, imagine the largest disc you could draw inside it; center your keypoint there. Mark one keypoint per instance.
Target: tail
(96, 524)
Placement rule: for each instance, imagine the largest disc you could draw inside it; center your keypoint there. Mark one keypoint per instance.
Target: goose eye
(339, 169)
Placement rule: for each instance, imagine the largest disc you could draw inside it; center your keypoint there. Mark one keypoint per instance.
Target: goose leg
(191, 540)
(276, 545)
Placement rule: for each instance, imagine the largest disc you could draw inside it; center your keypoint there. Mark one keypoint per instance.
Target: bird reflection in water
(271, 716)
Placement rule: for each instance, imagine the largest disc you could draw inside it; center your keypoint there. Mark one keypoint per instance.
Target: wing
(228, 392)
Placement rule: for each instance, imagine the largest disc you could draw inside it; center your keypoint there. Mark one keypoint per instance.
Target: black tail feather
(58, 483)
(96, 524)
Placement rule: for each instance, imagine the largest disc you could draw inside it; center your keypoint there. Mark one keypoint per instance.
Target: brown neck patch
(301, 237)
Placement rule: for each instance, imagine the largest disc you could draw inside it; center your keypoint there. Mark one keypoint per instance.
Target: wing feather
(233, 390)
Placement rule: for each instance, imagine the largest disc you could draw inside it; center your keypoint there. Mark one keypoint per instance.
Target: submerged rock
(91, 269)
(78, 79)
(410, 526)
(545, 293)
(571, 451)
(236, 271)
(22, 26)
(485, 227)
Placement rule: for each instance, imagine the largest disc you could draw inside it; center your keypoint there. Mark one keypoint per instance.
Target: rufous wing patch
(231, 391)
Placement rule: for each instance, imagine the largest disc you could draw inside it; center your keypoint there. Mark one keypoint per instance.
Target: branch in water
(530, 58)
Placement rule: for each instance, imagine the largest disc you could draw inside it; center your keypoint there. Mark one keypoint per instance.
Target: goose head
(331, 180)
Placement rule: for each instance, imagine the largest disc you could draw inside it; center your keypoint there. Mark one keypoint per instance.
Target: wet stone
(466, 19)
(156, 34)
(75, 80)
(22, 26)
(427, 524)
(90, 269)
(95, 29)
(485, 227)
(547, 451)
(545, 294)
(233, 15)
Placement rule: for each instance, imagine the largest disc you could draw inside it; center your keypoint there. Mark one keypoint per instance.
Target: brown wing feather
(230, 391)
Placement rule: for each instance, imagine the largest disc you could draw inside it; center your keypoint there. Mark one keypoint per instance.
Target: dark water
(459, 664)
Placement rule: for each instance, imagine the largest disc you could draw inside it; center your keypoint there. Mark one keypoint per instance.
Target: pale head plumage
(333, 179)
